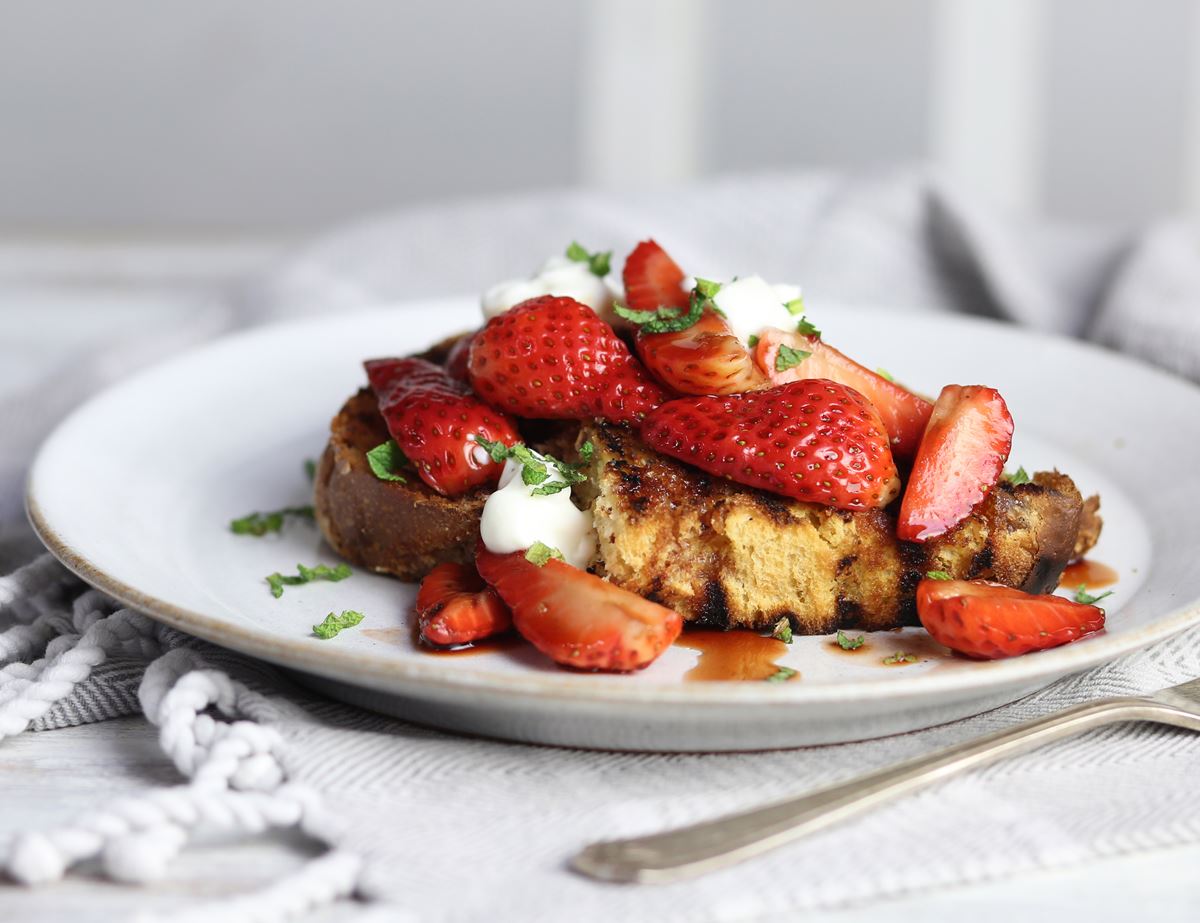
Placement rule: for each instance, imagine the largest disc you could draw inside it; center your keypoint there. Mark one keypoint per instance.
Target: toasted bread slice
(729, 556)
(400, 528)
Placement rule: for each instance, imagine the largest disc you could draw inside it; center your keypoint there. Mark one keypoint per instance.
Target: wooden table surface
(57, 298)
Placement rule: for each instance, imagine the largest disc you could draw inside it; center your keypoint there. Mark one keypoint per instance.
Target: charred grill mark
(845, 563)
(714, 608)
(776, 509)
(1044, 575)
(914, 563)
(849, 613)
(982, 561)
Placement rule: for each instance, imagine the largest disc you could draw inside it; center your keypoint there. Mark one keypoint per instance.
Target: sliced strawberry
(987, 620)
(577, 619)
(455, 606)
(456, 359)
(705, 358)
(817, 441)
(903, 413)
(652, 279)
(960, 459)
(433, 419)
(553, 358)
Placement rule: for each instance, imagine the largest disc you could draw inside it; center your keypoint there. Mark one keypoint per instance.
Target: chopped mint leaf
(782, 675)
(664, 320)
(884, 373)
(938, 575)
(335, 623)
(587, 451)
(599, 262)
(789, 358)
(783, 630)
(261, 523)
(1017, 478)
(900, 657)
(310, 468)
(637, 317)
(795, 306)
(384, 459)
(846, 643)
(551, 487)
(278, 581)
(498, 451)
(533, 469)
(707, 288)
(539, 554)
(752, 340)
(805, 327)
(1083, 596)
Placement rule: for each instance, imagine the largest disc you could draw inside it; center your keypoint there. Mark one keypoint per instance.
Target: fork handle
(724, 841)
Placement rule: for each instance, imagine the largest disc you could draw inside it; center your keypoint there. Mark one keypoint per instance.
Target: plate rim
(353, 665)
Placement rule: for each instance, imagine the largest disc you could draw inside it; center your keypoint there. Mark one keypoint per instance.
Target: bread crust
(403, 529)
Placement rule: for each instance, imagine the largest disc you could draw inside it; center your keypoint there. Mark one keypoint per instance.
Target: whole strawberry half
(577, 619)
(904, 414)
(986, 620)
(454, 606)
(553, 358)
(652, 279)
(433, 419)
(813, 440)
(960, 459)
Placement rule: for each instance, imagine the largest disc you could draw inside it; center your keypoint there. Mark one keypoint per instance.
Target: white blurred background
(161, 116)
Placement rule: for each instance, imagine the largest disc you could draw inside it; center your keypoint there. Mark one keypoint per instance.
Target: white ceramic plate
(135, 491)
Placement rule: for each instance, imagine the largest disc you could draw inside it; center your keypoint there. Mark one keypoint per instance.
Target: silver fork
(724, 841)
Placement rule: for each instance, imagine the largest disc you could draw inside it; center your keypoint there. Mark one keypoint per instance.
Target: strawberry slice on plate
(817, 441)
(785, 356)
(575, 618)
(455, 606)
(553, 358)
(652, 279)
(960, 459)
(433, 419)
(988, 621)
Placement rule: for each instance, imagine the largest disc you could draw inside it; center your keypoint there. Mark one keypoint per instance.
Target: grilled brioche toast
(729, 556)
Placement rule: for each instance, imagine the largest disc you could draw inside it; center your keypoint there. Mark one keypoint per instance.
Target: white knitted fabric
(443, 828)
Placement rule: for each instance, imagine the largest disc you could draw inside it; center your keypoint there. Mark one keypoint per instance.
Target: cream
(751, 305)
(559, 275)
(514, 518)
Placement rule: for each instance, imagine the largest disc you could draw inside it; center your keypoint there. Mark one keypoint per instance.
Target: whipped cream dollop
(514, 518)
(751, 304)
(559, 275)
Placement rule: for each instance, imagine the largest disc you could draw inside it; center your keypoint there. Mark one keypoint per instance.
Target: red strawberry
(961, 458)
(987, 620)
(904, 414)
(577, 619)
(652, 279)
(705, 358)
(816, 441)
(553, 358)
(454, 606)
(432, 417)
(456, 359)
